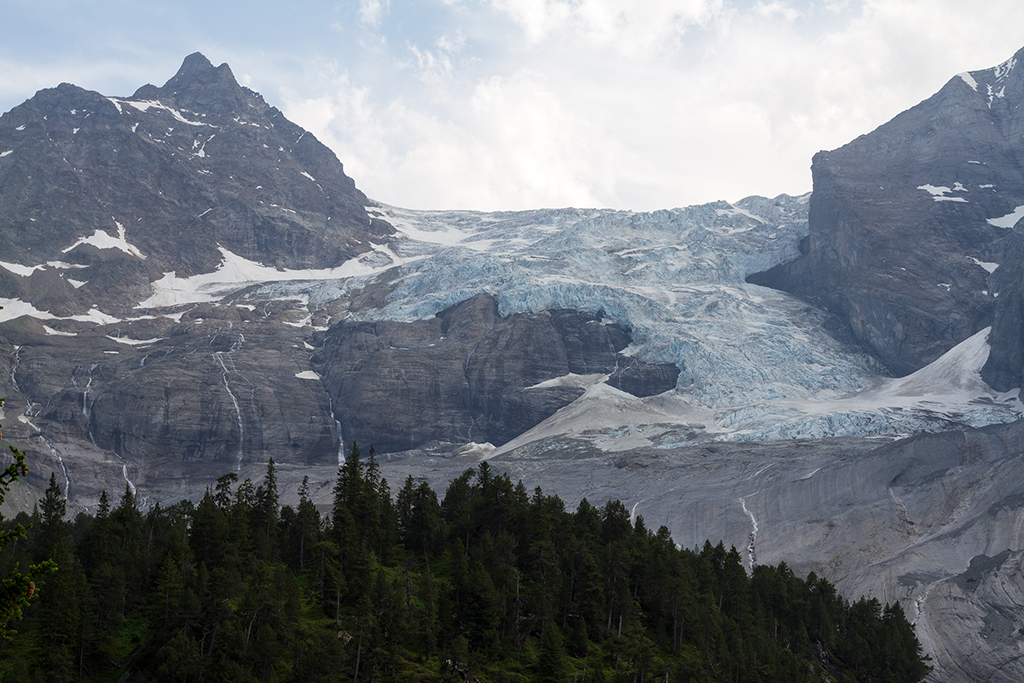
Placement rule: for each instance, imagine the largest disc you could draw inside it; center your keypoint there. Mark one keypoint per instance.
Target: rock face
(973, 620)
(907, 222)
(190, 402)
(102, 199)
(469, 374)
(167, 177)
(1005, 367)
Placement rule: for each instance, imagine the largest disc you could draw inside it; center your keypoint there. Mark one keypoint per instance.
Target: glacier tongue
(947, 394)
(755, 363)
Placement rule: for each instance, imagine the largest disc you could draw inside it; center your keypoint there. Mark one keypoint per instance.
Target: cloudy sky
(513, 104)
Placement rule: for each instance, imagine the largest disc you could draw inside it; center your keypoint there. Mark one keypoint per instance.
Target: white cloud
(433, 65)
(371, 11)
(624, 26)
(779, 9)
(643, 105)
(452, 44)
(513, 144)
(525, 103)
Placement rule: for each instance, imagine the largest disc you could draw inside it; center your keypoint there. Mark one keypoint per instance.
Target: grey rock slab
(470, 374)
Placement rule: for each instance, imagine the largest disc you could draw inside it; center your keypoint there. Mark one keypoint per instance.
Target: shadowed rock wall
(469, 374)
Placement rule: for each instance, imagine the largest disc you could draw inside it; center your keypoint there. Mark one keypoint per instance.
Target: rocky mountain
(907, 223)
(99, 196)
(192, 285)
(1005, 367)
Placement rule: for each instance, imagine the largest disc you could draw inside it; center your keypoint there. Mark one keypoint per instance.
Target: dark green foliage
(489, 584)
(18, 585)
(551, 662)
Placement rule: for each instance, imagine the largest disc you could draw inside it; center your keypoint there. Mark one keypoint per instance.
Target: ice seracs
(755, 363)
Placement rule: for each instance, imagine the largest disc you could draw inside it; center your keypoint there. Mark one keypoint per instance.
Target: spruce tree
(551, 664)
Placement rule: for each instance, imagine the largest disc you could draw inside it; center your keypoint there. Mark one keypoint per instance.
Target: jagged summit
(198, 72)
(201, 86)
(196, 65)
(171, 176)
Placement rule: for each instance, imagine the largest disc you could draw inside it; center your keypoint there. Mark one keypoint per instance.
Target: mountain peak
(200, 85)
(199, 71)
(195, 62)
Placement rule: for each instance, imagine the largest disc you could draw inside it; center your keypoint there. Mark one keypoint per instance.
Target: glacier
(756, 364)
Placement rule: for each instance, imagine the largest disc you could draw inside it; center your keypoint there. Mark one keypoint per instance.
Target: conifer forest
(488, 583)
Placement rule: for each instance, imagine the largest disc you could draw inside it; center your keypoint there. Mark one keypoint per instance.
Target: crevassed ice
(755, 363)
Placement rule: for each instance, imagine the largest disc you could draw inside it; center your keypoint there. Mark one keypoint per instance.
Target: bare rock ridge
(176, 172)
(907, 222)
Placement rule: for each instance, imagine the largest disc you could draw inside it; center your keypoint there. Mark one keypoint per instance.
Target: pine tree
(52, 525)
(551, 663)
(64, 602)
(265, 515)
(306, 525)
(207, 608)
(349, 524)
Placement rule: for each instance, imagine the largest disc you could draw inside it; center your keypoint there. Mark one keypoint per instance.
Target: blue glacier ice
(755, 363)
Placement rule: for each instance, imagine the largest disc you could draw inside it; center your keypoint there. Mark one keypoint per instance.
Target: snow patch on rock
(103, 240)
(146, 105)
(1009, 220)
(969, 80)
(236, 272)
(570, 380)
(987, 265)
